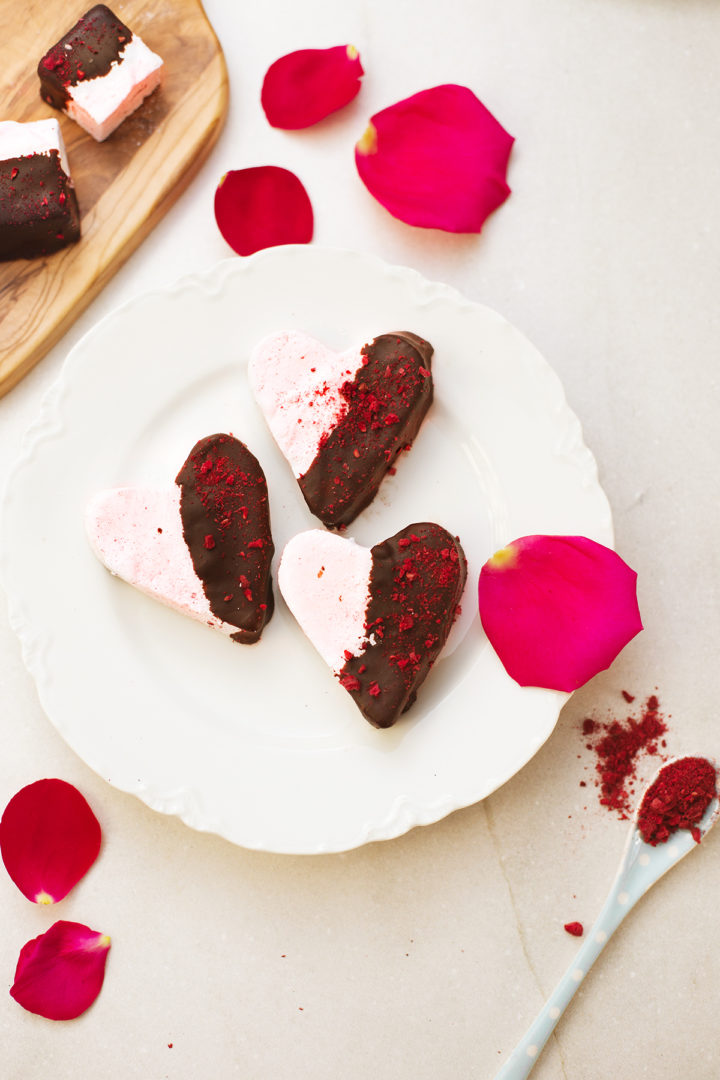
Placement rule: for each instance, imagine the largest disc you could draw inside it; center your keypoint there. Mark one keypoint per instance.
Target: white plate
(259, 743)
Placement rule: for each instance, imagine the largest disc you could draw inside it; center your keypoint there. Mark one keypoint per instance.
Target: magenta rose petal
(437, 159)
(262, 207)
(60, 973)
(49, 838)
(557, 609)
(306, 86)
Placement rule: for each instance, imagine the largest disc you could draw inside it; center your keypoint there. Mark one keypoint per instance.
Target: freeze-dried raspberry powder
(617, 745)
(677, 799)
(574, 928)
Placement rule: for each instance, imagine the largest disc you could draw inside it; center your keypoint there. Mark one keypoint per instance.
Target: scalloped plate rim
(403, 813)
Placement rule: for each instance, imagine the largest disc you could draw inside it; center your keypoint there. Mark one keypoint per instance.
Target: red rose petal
(262, 207)
(557, 609)
(49, 838)
(437, 159)
(306, 86)
(60, 973)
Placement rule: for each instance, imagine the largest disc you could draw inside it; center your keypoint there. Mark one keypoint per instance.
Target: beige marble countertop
(425, 957)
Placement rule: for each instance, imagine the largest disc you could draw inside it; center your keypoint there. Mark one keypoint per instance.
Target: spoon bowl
(640, 867)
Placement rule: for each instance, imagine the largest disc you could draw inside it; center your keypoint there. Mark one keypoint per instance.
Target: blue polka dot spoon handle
(641, 866)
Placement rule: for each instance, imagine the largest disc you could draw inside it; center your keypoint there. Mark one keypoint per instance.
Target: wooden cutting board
(125, 184)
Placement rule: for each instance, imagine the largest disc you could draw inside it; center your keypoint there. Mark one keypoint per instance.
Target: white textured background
(424, 958)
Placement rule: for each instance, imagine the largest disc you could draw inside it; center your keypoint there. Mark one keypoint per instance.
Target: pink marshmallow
(325, 580)
(99, 105)
(296, 381)
(138, 535)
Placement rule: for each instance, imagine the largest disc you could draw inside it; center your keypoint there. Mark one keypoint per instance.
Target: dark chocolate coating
(416, 582)
(38, 206)
(95, 42)
(226, 525)
(388, 399)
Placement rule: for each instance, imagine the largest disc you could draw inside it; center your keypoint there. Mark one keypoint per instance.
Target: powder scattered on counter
(574, 928)
(617, 745)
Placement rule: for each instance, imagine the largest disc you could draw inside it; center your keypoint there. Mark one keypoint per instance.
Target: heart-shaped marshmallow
(378, 616)
(341, 419)
(203, 547)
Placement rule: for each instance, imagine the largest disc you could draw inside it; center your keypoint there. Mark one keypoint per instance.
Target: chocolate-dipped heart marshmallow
(203, 547)
(341, 419)
(378, 616)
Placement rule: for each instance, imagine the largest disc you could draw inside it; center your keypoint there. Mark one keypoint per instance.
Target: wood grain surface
(125, 184)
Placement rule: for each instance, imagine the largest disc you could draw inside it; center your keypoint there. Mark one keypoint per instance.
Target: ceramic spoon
(641, 866)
